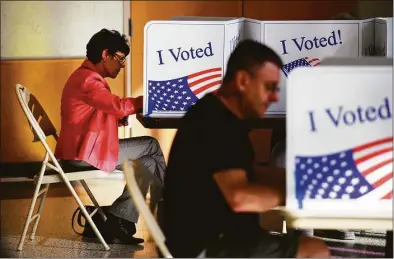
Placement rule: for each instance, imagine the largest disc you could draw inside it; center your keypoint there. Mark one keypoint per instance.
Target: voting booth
(186, 57)
(306, 43)
(340, 142)
(384, 37)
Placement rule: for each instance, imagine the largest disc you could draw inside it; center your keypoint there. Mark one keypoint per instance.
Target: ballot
(340, 142)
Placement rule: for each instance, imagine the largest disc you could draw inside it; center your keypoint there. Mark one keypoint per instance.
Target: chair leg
(83, 209)
(284, 227)
(33, 203)
(93, 199)
(78, 200)
(28, 219)
(42, 201)
(86, 214)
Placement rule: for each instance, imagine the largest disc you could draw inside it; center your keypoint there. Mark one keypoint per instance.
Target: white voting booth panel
(384, 37)
(190, 53)
(184, 60)
(367, 43)
(340, 142)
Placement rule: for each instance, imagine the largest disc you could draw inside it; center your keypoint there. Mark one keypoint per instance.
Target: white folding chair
(39, 122)
(131, 170)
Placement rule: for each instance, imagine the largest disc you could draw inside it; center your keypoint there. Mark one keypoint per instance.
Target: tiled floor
(55, 237)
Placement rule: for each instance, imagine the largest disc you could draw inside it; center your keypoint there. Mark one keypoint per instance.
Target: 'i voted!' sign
(305, 44)
(340, 141)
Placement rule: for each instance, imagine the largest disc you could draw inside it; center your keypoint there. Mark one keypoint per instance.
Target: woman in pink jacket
(90, 116)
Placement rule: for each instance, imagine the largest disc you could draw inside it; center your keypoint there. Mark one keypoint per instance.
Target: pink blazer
(90, 117)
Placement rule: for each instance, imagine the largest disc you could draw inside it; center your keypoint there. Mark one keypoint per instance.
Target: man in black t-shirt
(212, 199)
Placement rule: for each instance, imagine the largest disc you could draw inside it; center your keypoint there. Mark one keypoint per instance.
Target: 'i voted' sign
(305, 44)
(340, 141)
(184, 60)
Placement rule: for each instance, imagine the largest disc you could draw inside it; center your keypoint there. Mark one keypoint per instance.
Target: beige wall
(296, 10)
(45, 79)
(371, 8)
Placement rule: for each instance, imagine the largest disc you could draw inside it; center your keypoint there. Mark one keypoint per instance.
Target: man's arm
(242, 196)
(98, 96)
(271, 176)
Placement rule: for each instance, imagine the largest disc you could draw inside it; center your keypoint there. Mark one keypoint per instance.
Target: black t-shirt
(210, 139)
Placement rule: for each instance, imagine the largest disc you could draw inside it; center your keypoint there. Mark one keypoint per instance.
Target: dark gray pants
(147, 150)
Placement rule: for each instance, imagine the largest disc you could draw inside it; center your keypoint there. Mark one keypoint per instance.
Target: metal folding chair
(42, 128)
(131, 170)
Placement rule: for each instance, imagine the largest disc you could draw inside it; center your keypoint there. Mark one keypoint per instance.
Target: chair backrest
(29, 105)
(35, 114)
(131, 170)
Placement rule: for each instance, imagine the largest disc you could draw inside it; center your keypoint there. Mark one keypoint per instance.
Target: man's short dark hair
(249, 55)
(111, 40)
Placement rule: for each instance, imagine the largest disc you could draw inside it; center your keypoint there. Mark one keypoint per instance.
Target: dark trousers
(147, 150)
(389, 245)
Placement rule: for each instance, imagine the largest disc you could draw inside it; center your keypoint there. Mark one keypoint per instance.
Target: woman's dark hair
(111, 40)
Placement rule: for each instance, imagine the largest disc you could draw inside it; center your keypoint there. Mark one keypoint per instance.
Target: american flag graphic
(302, 62)
(179, 94)
(365, 171)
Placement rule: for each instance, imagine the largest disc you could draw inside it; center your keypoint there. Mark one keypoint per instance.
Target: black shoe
(123, 230)
(335, 234)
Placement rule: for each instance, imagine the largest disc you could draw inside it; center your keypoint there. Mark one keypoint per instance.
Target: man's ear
(104, 55)
(242, 80)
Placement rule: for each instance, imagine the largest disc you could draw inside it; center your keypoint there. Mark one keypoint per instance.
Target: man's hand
(271, 176)
(243, 196)
(274, 177)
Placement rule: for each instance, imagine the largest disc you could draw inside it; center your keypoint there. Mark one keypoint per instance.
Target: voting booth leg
(389, 245)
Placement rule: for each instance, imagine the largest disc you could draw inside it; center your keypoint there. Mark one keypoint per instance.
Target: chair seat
(53, 177)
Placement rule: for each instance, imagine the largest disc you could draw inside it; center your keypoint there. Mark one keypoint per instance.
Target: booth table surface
(269, 122)
(295, 221)
(338, 223)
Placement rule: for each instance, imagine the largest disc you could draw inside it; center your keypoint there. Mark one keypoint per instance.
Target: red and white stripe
(205, 81)
(313, 62)
(375, 161)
